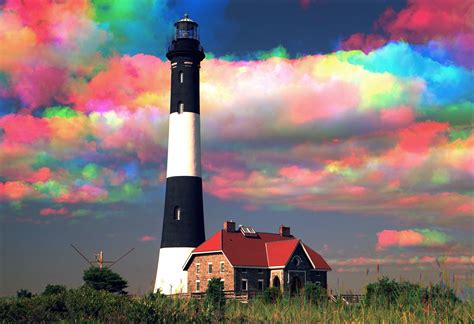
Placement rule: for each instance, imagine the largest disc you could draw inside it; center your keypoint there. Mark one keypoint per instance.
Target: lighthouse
(183, 219)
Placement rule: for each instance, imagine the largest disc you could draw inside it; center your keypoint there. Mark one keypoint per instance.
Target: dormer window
(177, 213)
(181, 76)
(180, 107)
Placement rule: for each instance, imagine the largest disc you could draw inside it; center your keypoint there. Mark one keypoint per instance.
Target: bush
(54, 290)
(272, 294)
(313, 293)
(104, 279)
(215, 297)
(389, 292)
(382, 292)
(438, 295)
(23, 293)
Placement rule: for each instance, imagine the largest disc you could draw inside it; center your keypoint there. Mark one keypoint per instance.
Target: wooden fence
(245, 296)
(346, 298)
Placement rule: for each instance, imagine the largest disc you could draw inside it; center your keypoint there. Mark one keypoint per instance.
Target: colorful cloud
(385, 132)
(411, 238)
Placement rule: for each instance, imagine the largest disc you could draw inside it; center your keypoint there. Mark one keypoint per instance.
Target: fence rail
(346, 298)
(245, 296)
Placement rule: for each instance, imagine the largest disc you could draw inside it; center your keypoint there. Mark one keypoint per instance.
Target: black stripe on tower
(183, 223)
(185, 87)
(185, 56)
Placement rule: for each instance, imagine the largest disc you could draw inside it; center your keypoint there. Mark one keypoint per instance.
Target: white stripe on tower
(184, 145)
(170, 277)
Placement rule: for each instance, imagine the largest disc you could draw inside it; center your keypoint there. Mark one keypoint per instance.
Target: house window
(244, 284)
(198, 268)
(209, 267)
(260, 284)
(198, 285)
(180, 107)
(177, 213)
(181, 77)
(260, 271)
(222, 266)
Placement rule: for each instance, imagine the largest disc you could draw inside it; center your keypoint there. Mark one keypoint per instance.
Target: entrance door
(276, 282)
(295, 285)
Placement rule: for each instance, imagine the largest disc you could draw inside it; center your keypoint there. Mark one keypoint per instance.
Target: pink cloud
(52, 211)
(448, 22)
(388, 238)
(399, 116)
(85, 193)
(365, 43)
(14, 190)
(147, 238)
(24, 129)
(40, 85)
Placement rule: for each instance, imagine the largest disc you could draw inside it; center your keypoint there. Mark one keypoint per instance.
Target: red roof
(265, 250)
(279, 252)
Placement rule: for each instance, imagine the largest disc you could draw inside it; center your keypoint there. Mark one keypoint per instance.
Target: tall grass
(90, 305)
(298, 309)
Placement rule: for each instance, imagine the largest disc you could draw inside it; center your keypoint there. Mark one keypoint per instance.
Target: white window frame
(180, 107)
(246, 284)
(198, 268)
(263, 284)
(209, 268)
(181, 76)
(198, 282)
(222, 267)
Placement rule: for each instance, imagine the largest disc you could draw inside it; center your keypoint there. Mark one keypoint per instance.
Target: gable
(299, 260)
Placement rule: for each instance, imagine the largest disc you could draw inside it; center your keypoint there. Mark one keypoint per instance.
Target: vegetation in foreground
(385, 300)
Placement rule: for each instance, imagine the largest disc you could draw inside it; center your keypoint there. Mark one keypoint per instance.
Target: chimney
(284, 231)
(229, 226)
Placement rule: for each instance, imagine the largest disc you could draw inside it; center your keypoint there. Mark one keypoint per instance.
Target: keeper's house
(246, 260)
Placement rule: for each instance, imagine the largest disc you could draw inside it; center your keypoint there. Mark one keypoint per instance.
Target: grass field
(100, 306)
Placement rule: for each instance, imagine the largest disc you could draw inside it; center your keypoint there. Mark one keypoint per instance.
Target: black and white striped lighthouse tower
(183, 220)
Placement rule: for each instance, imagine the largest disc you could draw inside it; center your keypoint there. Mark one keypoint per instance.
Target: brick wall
(203, 276)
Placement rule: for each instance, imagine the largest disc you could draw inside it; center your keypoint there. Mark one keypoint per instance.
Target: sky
(349, 121)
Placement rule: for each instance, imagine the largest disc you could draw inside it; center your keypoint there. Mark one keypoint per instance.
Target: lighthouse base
(170, 277)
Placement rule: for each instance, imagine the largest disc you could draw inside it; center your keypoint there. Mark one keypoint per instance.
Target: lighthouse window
(177, 213)
(181, 77)
(180, 107)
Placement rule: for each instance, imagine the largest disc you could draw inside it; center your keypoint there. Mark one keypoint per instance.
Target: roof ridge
(307, 254)
(278, 241)
(266, 254)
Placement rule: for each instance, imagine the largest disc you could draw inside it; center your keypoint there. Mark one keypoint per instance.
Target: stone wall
(203, 276)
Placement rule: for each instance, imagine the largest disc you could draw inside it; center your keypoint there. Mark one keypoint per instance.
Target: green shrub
(215, 297)
(104, 279)
(314, 293)
(382, 292)
(23, 293)
(54, 290)
(438, 295)
(272, 295)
